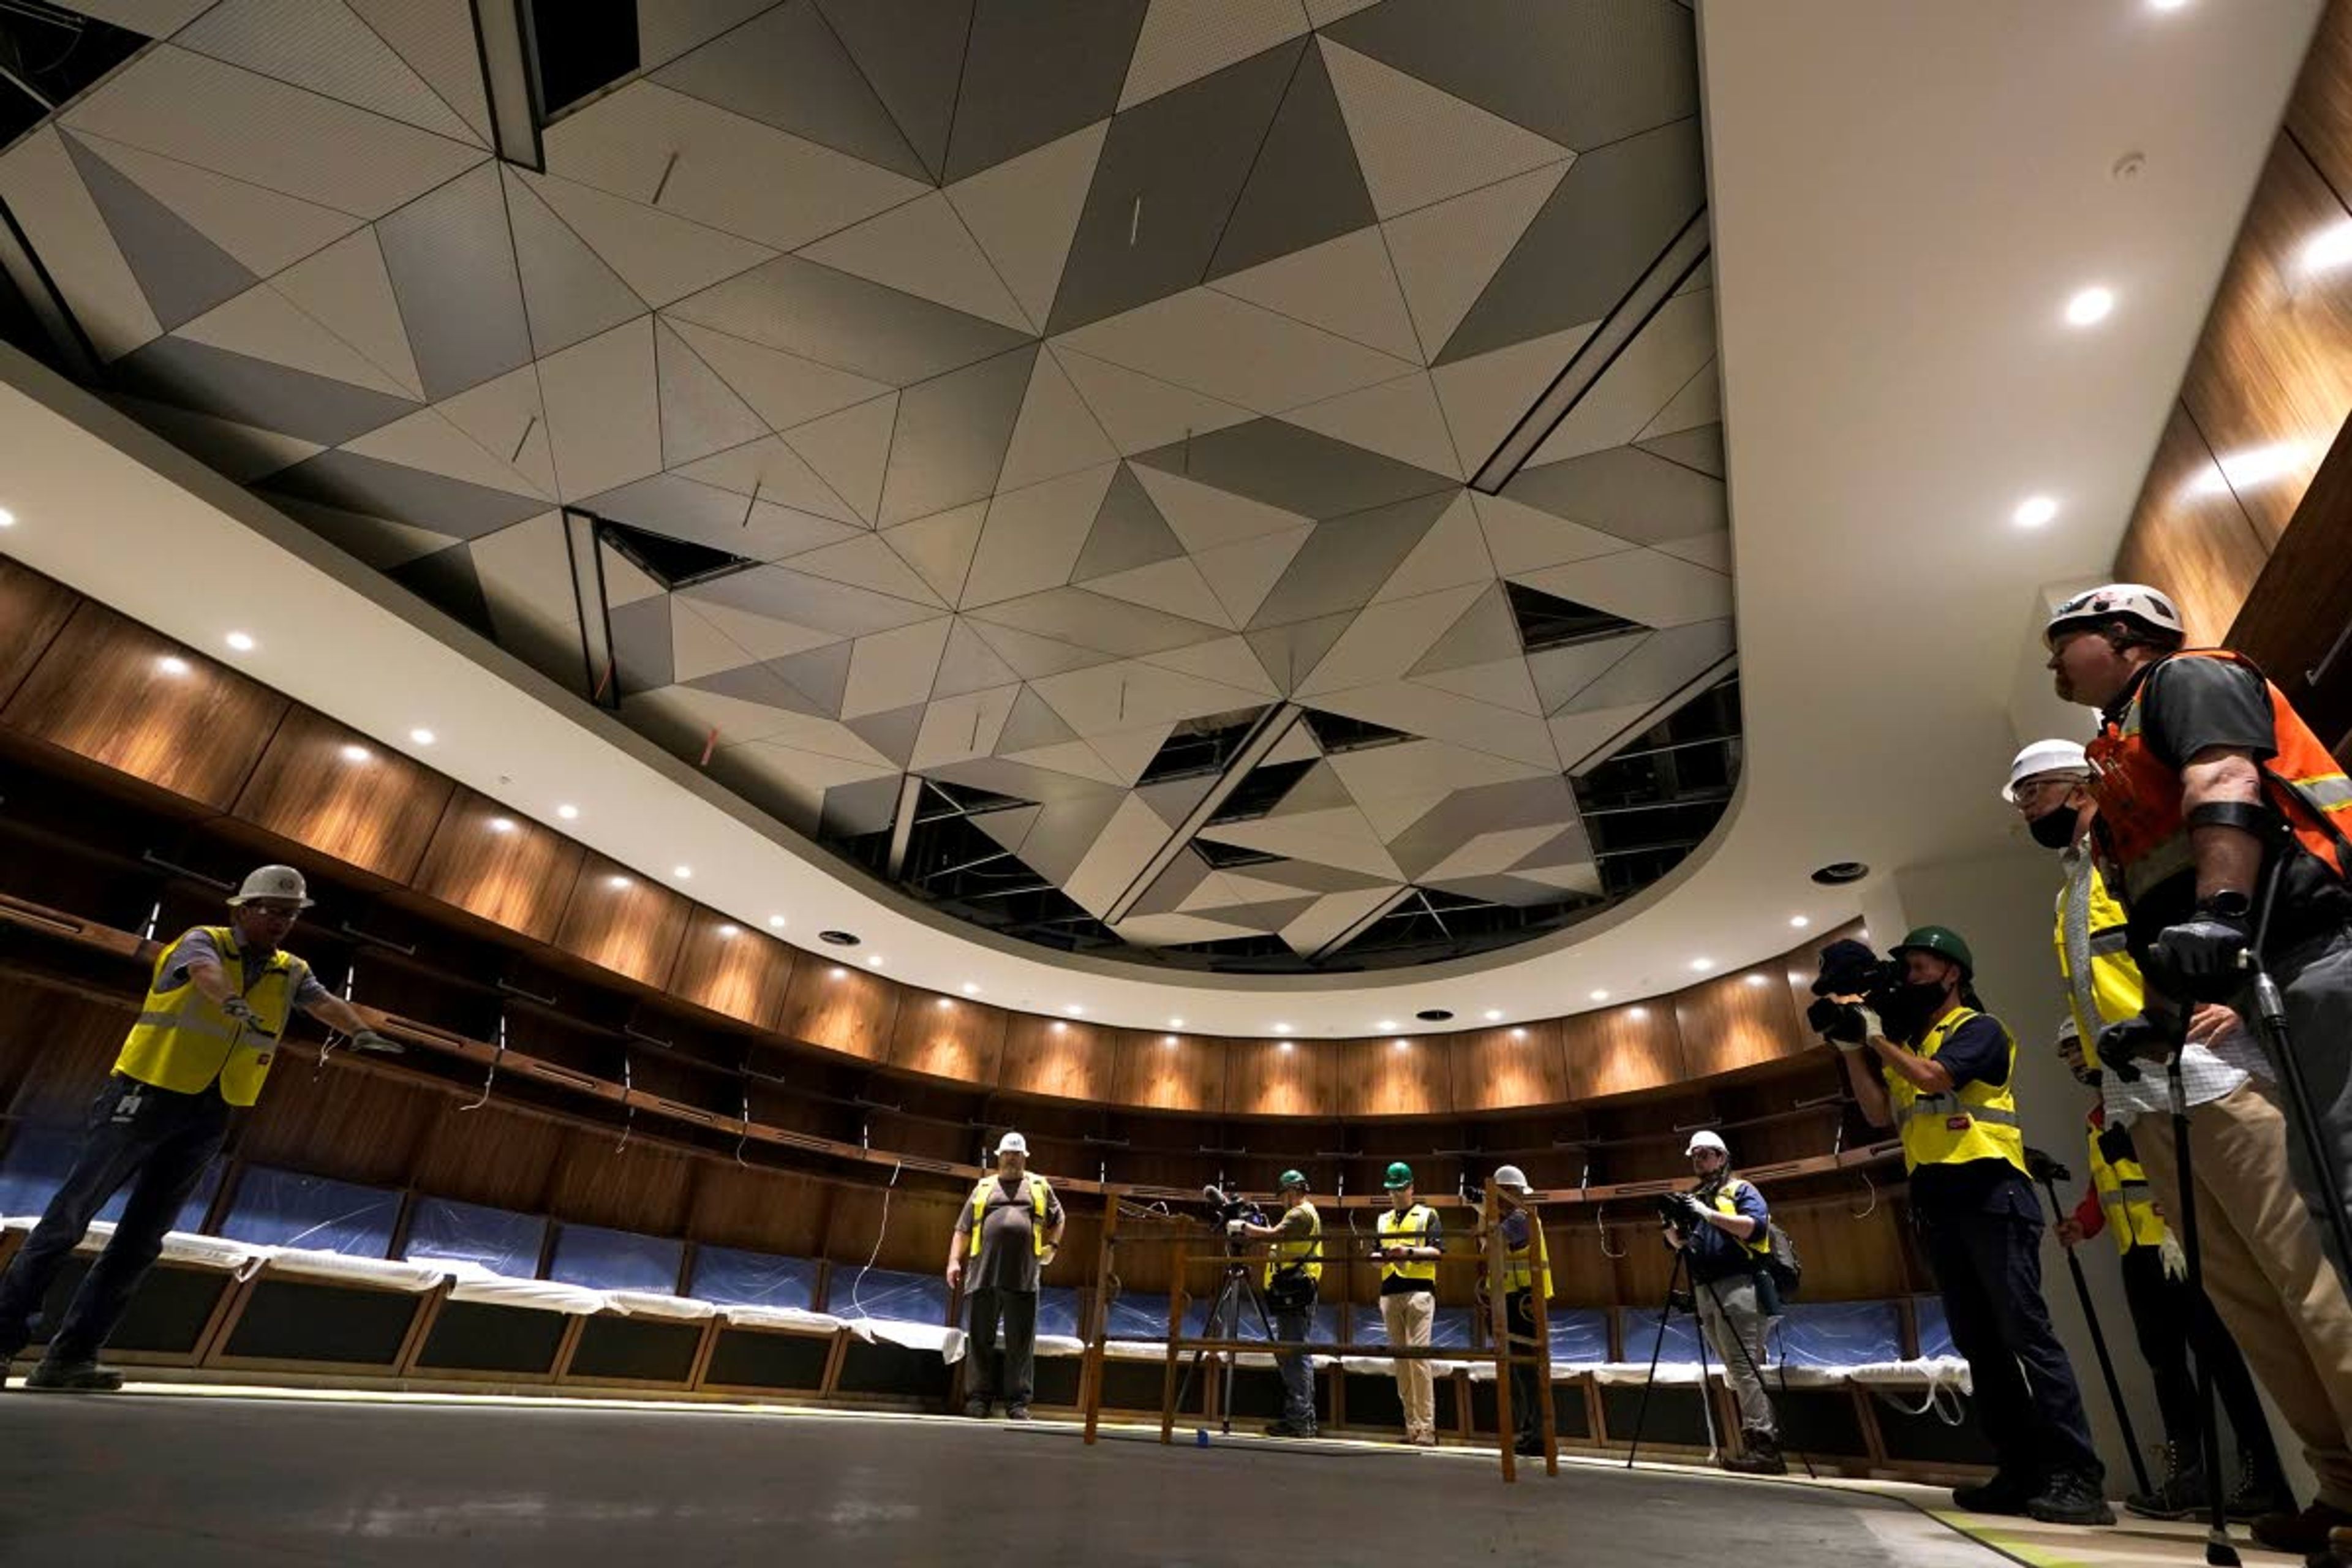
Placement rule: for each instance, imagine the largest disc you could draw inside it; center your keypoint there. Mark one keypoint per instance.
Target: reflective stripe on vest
(1727, 1201)
(1978, 1122)
(2140, 822)
(183, 1042)
(1037, 1201)
(2130, 1201)
(2102, 984)
(1300, 1255)
(1518, 1273)
(1410, 1228)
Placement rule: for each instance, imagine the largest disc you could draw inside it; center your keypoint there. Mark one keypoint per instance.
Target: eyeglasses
(2033, 791)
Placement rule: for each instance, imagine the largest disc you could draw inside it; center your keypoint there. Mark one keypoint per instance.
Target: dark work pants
(1526, 1408)
(1988, 1269)
(2171, 1321)
(162, 1140)
(1296, 1367)
(1007, 1375)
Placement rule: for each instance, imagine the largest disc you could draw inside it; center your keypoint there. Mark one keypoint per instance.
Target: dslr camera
(1850, 968)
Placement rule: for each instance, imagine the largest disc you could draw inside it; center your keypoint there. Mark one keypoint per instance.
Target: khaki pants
(1728, 1310)
(2264, 1268)
(1408, 1319)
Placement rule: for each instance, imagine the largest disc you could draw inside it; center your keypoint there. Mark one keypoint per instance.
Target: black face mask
(2054, 829)
(1916, 1004)
(2088, 1076)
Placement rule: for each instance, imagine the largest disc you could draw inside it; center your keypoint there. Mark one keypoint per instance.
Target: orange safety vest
(2141, 826)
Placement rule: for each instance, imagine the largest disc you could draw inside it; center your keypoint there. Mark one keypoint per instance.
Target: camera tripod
(1683, 1270)
(1223, 1323)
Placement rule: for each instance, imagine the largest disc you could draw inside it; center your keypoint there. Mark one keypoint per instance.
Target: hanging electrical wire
(881, 1230)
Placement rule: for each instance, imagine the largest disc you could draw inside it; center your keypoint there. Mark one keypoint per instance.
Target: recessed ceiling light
(2035, 511)
(1073, 1009)
(498, 824)
(422, 737)
(1282, 1028)
(356, 753)
(2089, 307)
(970, 989)
(568, 813)
(1800, 921)
(1838, 872)
(2166, 5)
(8, 518)
(241, 641)
(777, 921)
(873, 961)
(616, 881)
(1385, 1025)
(1600, 995)
(682, 872)
(1175, 1023)
(172, 664)
(1494, 1014)
(1702, 964)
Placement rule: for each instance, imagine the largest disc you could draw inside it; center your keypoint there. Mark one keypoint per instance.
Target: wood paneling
(1170, 1072)
(732, 969)
(623, 921)
(638, 1186)
(2189, 536)
(760, 1210)
(1619, 1050)
(361, 1127)
(947, 1037)
(57, 1047)
(1395, 1076)
(2273, 375)
(1061, 1057)
(2294, 621)
(843, 1008)
(335, 791)
(104, 691)
(1737, 1021)
(33, 608)
(2319, 115)
(1282, 1078)
(518, 877)
(495, 1155)
(1496, 1070)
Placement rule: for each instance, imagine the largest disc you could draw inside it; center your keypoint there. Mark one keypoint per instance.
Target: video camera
(1851, 968)
(1231, 1206)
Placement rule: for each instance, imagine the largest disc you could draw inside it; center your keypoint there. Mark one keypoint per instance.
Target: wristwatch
(2229, 904)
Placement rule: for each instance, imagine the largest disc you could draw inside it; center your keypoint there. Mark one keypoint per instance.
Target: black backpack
(1786, 1269)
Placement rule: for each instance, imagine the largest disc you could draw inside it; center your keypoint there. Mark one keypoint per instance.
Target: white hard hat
(1512, 1178)
(2067, 1031)
(274, 882)
(2045, 757)
(2116, 601)
(1705, 1139)
(1013, 1144)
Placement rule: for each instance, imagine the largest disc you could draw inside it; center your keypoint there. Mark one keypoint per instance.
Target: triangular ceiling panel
(1242, 573)
(1033, 536)
(1175, 586)
(949, 443)
(785, 390)
(1383, 640)
(603, 415)
(866, 561)
(661, 257)
(322, 46)
(506, 417)
(1445, 254)
(436, 37)
(428, 440)
(1453, 553)
(266, 324)
(1141, 412)
(61, 218)
(1183, 40)
(182, 273)
(850, 449)
(1303, 186)
(911, 52)
(346, 290)
(263, 229)
(1056, 433)
(1206, 518)
(1504, 683)
(1128, 532)
(772, 479)
(1033, 724)
(1419, 144)
(1344, 285)
(567, 292)
(1400, 418)
(940, 547)
(1025, 212)
(1484, 633)
(969, 664)
(785, 67)
(923, 248)
(700, 413)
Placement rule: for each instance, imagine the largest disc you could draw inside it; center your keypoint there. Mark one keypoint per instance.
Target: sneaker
(1759, 1456)
(74, 1377)
(2182, 1493)
(2072, 1496)
(2304, 1533)
(2003, 1493)
(1016, 1412)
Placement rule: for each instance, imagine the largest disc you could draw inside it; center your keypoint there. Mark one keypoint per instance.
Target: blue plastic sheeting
(285, 1208)
(732, 1277)
(604, 1259)
(504, 1242)
(1934, 1334)
(1579, 1334)
(1452, 1329)
(888, 1293)
(1322, 1330)
(35, 1167)
(1057, 1311)
(1681, 1346)
(1839, 1334)
(1146, 1318)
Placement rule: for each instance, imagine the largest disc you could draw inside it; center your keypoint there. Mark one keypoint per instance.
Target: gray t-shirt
(197, 946)
(1008, 1251)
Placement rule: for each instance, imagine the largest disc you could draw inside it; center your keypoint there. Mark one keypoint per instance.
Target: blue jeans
(162, 1140)
(1297, 1370)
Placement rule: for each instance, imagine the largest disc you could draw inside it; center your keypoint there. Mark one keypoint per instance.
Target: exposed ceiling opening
(579, 46)
(673, 563)
(48, 54)
(1647, 807)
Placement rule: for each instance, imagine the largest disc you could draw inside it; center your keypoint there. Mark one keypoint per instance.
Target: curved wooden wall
(81, 685)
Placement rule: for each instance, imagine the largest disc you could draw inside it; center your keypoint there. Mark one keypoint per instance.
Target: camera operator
(1408, 1251)
(1727, 1230)
(1943, 1072)
(1294, 1273)
(1524, 1258)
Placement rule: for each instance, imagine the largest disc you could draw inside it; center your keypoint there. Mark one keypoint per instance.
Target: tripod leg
(1208, 1331)
(2099, 1347)
(1642, 1411)
(2218, 1548)
(1705, 1393)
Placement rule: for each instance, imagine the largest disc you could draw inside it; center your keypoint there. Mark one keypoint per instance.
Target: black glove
(2140, 1038)
(2204, 954)
(1691, 1211)
(238, 1008)
(369, 1040)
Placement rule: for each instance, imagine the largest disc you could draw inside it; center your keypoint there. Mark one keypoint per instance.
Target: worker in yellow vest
(1294, 1276)
(1407, 1246)
(1010, 1229)
(2168, 1320)
(1526, 1260)
(216, 1009)
(1942, 1073)
(1727, 1228)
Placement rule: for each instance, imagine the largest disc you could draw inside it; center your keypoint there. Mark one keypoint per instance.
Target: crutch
(2049, 1172)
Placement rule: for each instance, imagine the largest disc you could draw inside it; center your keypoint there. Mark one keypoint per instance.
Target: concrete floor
(196, 1480)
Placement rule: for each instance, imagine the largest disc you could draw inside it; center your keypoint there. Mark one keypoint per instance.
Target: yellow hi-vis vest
(1727, 1201)
(1298, 1254)
(1410, 1228)
(1522, 1263)
(2103, 983)
(2125, 1194)
(183, 1042)
(1038, 1198)
(1976, 1122)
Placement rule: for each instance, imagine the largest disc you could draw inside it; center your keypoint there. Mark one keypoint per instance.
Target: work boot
(1016, 1412)
(2003, 1493)
(2072, 1496)
(1287, 1428)
(74, 1377)
(2305, 1533)
(976, 1408)
(2181, 1493)
(1529, 1447)
(2258, 1493)
(1759, 1456)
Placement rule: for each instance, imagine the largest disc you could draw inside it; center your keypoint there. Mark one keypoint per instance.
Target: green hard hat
(1290, 1179)
(1944, 943)
(1400, 1175)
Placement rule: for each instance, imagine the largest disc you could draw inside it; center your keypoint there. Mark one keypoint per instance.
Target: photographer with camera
(1726, 1229)
(1010, 1230)
(1922, 1058)
(1407, 1247)
(1294, 1273)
